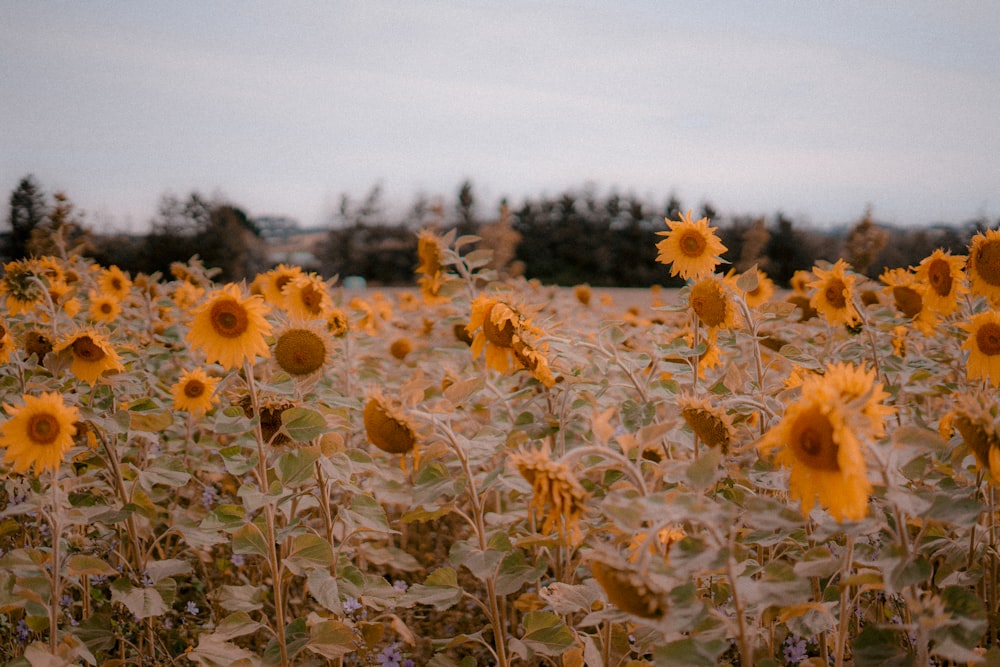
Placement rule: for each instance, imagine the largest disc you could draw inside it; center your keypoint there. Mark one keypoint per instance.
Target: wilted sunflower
(629, 590)
(387, 427)
(834, 295)
(974, 417)
(400, 347)
(712, 302)
(984, 265)
(691, 248)
(943, 274)
(37, 343)
(271, 410)
(556, 493)
(494, 325)
(665, 538)
(114, 282)
(816, 439)
(431, 270)
(307, 297)
(582, 294)
(7, 345)
(230, 328)
(195, 392)
(910, 296)
(39, 433)
(535, 361)
(92, 355)
(337, 323)
(301, 350)
(711, 424)
(983, 345)
(104, 308)
(24, 286)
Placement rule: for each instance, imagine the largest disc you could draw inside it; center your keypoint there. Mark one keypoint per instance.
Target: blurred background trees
(576, 236)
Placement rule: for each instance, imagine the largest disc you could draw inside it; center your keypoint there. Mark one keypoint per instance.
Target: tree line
(578, 236)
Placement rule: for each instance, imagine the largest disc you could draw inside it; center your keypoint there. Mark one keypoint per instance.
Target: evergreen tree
(28, 209)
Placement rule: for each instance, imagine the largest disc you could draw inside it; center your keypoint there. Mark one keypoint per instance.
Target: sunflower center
(812, 441)
(692, 244)
(105, 308)
(908, 300)
(988, 339)
(988, 262)
(300, 352)
(43, 429)
(194, 389)
(3, 331)
(229, 318)
(939, 275)
(501, 335)
(312, 299)
(709, 304)
(85, 348)
(281, 281)
(834, 293)
(707, 426)
(116, 284)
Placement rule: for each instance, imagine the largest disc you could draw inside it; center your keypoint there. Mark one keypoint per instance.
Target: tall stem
(845, 613)
(55, 523)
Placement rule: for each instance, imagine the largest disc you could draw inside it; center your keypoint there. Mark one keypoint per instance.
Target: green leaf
(237, 624)
(331, 639)
(240, 598)
(515, 572)
(215, 652)
(151, 420)
(81, 564)
(143, 602)
(250, 540)
(161, 569)
(166, 470)
(232, 421)
(875, 647)
(440, 590)
(366, 512)
(702, 473)
(546, 633)
(296, 467)
(324, 589)
(238, 460)
(308, 552)
(747, 281)
(690, 652)
(228, 518)
(303, 424)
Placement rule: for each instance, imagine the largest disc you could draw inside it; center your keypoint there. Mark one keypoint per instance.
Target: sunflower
(271, 283)
(230, 328)
(974, 417)
(307, 297)
(39, 433)
(712, 425)
(711, 300)
(301, 350)
(984, 265)
(36, 343)
(187, 295)
(816, 440)
(582, 294)
(103, 307)
(556, 493)
(534, 360)
(834, 295)
(365, 316)
(692, 248)
(337, 323)
(760, 294)
(800, 280)
(494, 324)
(387, 427)
(910, 298)
(92, 355)
(23, 285)
(983, 345)
(114, 282)
(857, 387)
(943, 275)
(195, 392)
(400, 347)
(629, 590)
(7, 345)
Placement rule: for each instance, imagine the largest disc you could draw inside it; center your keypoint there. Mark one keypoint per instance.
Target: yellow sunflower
(92, 355)
(114, 282)
(24, 286)
(301, 350)
(337, 323)
(195, 392)
(387, 427)
(103, 307)
(816, 440)
(760, 294)
(307, 297)
(943, 274)
(800, 280)
(974, 417)
(186, 295)
(984, 265)
(983, 345)
(39, 433)
(857, 387)
(834, 295)
(494, 325)
(7, 345)
(910, 298)
(271, 283)
(230, 328)
(691, 248)
(711, 300)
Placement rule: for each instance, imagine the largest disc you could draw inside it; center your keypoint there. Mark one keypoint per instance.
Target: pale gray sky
(815, 108)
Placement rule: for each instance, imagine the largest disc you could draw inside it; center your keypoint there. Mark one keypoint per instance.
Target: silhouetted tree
(28, 208)
(787, 251)
(61, 233)
(466, 210)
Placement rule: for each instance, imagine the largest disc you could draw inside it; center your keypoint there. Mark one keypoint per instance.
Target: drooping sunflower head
(36, 342)
(230, 328)
(534, 360)
(974, 417)
(337, 323)
(817, 440)
(582, 294)
(387, 427)
(7, 344)
(711, 424)
(195, 392)
(494, 324)
(943, 276)
(271, 410)
(834, 294)
(983, 345)
(114, 282)
(103, 307)
(691, 248)
(984, 265)
(38, 433)
(556, 493)
(629, 590)
(301, 350)
(91, 353)
(429, 253)
(711, 300)
(307, 297)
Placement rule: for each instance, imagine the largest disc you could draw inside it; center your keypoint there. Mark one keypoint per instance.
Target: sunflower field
(490, 471)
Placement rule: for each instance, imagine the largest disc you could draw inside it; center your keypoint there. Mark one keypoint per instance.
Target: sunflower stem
(845, 615)
(55, 522)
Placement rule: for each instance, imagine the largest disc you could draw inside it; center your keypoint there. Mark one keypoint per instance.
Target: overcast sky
(818, 109)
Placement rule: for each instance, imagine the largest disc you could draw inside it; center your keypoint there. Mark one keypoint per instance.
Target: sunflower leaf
(303, 424)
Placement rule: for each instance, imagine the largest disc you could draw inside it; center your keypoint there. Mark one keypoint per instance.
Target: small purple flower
(22, 631)
(191, 608)
(400, 585)
(795, 649)
(351, 605)
(238, 560)
(208, 496)
(390, 656)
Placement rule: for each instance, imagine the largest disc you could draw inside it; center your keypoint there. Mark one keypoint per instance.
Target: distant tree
(466, 210)
(754, 246)
(232, 243)
(62, 232)
(864, 242)
(501, 237)
(787, 251)
(28, 209)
